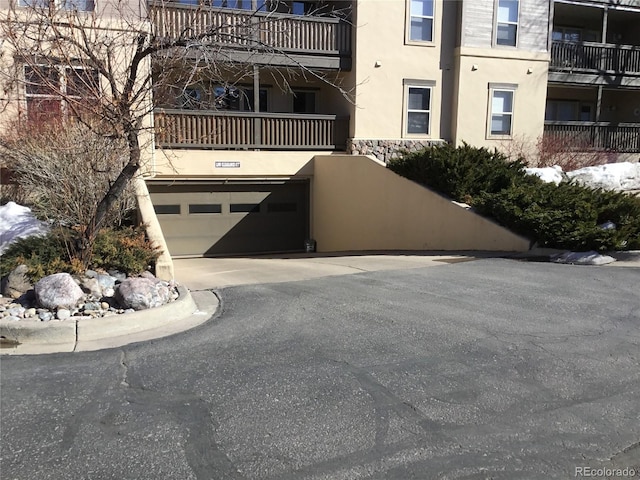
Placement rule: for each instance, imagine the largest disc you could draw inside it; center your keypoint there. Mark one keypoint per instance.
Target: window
(167, 209)
(568, 111)
(420, 28)
(50, 88)
(304, 101)
(244, 208)
(238, 99)
(418, 107)
(79, 5)
(501, 116)
(570, 34)
(205, 208)
(239, 4)
(506, 32)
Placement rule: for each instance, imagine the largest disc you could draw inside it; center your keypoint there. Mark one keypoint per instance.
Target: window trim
(424, 84)
(501, 87)
(407, 35)
(66, 5)
(494, 41)
(62, 95)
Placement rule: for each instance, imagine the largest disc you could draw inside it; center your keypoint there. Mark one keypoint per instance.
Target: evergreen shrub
(125, 249)
(461, 173)
(567, 216)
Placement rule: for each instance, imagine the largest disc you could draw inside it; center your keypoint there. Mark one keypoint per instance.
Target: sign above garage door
(213, 219)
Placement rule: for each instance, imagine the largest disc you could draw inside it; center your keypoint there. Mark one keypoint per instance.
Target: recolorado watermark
(590, 472)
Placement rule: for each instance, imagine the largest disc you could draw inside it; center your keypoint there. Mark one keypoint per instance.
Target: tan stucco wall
(191, 163)
(358, 204)
(380, 37)
(476, 69)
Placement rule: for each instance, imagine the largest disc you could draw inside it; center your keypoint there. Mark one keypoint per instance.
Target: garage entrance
(219, 219)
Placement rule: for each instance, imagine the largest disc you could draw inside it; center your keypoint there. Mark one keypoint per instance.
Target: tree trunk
(85, 249)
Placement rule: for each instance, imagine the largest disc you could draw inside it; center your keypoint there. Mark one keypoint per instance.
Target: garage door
(208, 219)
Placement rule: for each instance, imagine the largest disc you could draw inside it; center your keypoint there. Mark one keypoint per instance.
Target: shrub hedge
(125, 249)
(567, 215)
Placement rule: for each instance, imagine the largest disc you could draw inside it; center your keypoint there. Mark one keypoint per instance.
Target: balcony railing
(247, 130)
(620, 137)
(242, 28)
(595, 57)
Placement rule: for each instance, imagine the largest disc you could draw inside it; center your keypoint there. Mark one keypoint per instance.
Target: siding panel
(533, 24)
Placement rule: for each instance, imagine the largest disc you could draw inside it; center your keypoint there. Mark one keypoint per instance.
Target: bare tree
(64, 58)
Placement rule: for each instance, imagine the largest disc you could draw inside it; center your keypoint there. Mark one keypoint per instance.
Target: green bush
(125, 249)
(43, 255)
(561, 216)
(461, 173)
(566, 215)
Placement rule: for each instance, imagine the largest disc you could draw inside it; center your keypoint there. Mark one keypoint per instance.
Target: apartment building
(280, 148)
(593, 94)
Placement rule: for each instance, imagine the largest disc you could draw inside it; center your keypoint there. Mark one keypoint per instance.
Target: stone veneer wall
(386, 150)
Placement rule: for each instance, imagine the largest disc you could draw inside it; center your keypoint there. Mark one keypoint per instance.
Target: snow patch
(17, 222)
(623, 176)
(547, 174)
(582, 258)
(612, 176)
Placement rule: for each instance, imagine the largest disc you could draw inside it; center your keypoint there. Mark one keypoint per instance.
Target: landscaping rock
(57, 291)
(149, 275)
(106, 281)
(16, 282)
(118, 275)
(45, 316)
(63, 314)
(92, 286)
(141, 293)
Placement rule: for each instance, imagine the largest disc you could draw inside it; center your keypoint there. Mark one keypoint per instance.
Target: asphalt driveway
(485, 369)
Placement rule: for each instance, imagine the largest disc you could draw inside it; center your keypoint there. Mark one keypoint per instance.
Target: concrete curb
(25, 337)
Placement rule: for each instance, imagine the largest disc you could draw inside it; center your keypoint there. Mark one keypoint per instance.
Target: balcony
(209, 129)
(590, 58)
(614, 137)
(283, 39)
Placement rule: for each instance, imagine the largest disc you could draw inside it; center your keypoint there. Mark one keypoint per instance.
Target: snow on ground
(612, 176)
(623, 176)
(16, 222)
(547, 174)
(582, 258)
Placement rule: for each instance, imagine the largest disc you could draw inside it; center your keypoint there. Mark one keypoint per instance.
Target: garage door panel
(225, 219)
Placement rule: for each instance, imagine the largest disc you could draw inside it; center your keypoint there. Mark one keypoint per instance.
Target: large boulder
(17, 283)
(57, 291)
(140, 293)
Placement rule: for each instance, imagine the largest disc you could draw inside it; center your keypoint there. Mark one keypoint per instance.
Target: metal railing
(247, 130)
(615, 137)
(244, 28)
(595, 57)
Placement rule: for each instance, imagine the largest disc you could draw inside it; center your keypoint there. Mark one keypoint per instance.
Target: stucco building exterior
(292, 149)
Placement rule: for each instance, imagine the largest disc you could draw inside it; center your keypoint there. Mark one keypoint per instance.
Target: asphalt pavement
(488, 369)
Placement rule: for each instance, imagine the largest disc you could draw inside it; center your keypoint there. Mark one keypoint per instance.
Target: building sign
(227, 164)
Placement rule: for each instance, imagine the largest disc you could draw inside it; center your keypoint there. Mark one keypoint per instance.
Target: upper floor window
(506, 29)
(501, 110)
(570, 34)
(420, 28)
(78, 5)
(304, 101)
(568, 111)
